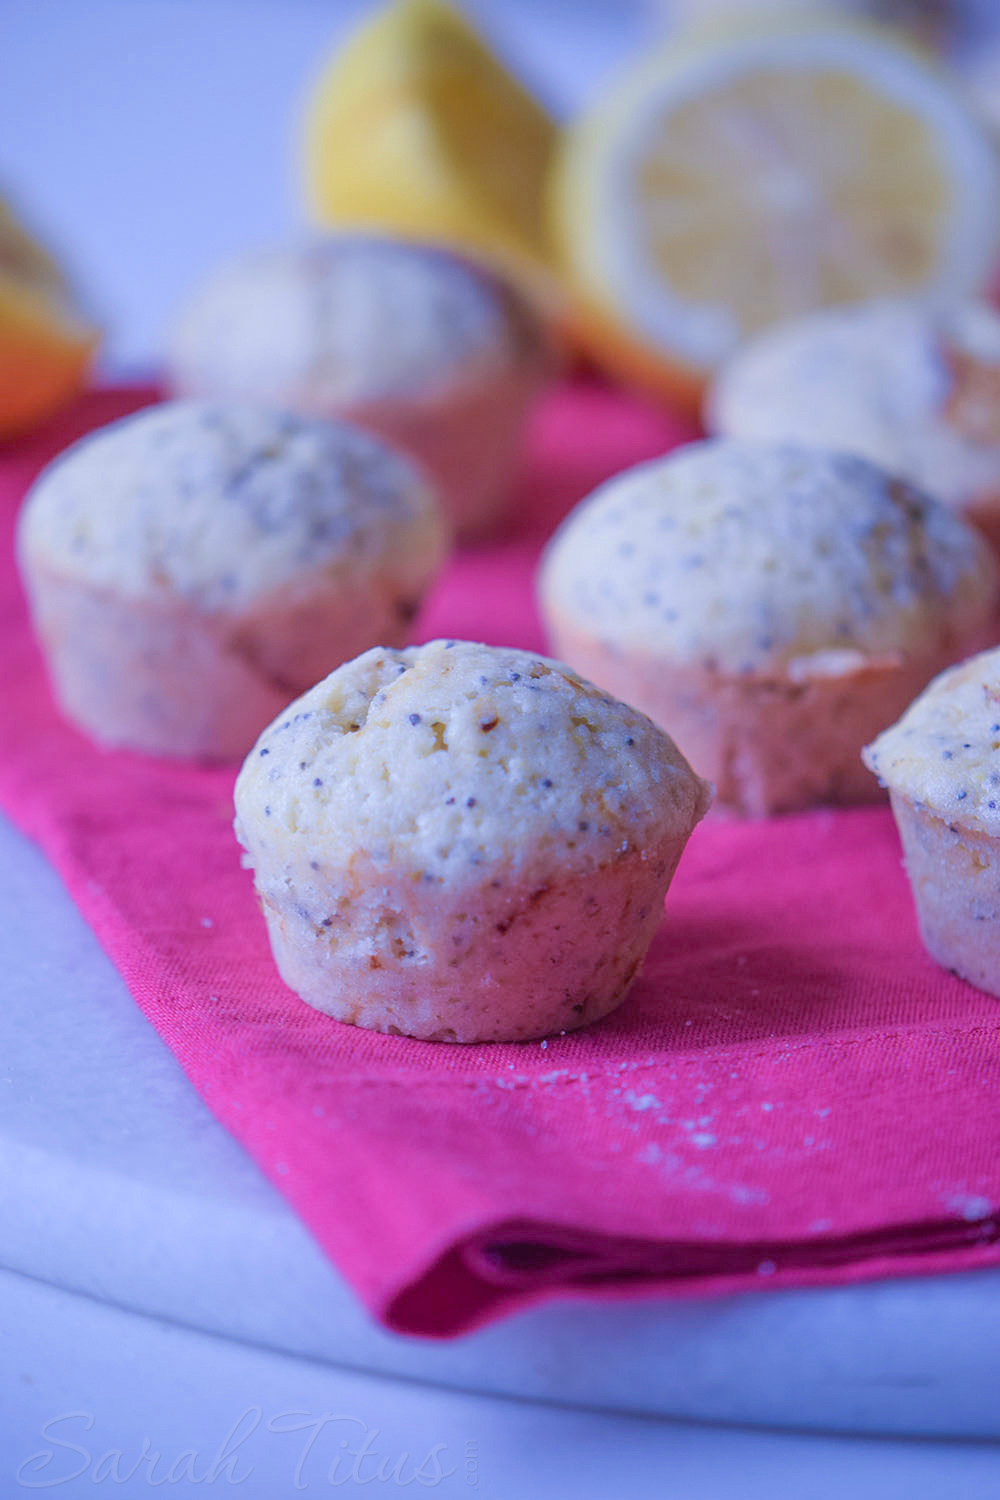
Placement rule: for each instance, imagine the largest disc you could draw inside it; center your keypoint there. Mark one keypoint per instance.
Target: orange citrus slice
(45, 349)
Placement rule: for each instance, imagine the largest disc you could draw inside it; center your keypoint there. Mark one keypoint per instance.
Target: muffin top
(448, 757)
(914, 390)
(223, 502)
(755, 558)
(944, 753)
(346, 321)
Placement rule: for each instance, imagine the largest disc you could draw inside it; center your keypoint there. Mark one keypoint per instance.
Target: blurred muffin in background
(771, 606)
(438, 356)
(913, 390)
(195, 566)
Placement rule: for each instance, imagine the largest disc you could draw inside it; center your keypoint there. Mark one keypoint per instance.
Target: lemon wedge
(416, 129)
(735, 178)
(45, 349)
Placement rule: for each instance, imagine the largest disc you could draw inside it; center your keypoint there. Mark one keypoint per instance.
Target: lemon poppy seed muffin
(411, 342)
(771, 606)
(463, 843)
(195, 566)
(911, 389)
(941, 763)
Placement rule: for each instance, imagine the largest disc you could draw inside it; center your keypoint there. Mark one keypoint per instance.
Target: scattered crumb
(642, 1101)
(972, 1206)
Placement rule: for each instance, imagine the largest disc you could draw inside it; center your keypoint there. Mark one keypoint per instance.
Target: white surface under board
(81, 1381)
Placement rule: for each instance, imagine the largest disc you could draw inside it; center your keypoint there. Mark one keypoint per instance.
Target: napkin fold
(793, 1092)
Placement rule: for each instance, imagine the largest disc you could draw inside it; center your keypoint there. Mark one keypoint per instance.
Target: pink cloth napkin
(793, 1092)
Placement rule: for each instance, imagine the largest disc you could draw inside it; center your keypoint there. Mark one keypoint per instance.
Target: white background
(148, 139)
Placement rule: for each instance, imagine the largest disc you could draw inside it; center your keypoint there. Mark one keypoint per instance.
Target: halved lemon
(736, 178)
(416, 129)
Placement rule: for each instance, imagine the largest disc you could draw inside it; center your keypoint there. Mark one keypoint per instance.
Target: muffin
(941, 763)
(413, 343)
(913, 390)
(192, 568)
(773, 606)
(463, 843)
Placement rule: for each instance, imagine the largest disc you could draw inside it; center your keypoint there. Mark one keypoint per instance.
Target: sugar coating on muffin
(941, 763)
(346, 319)
(748, 557)
(463, 842)
(193, 567)
(219, 502)
(411, 341)
(914, 390)
(765, 603)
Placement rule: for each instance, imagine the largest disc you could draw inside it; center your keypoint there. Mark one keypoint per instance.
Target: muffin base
(769, 745)
(162, 677)
(955, 876)
(467, 440)
(509, 959)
